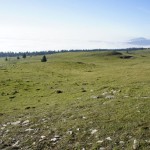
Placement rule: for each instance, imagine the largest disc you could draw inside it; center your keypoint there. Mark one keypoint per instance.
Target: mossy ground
(99, 91)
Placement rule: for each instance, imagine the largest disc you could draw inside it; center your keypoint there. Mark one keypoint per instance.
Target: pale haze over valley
(34, 25)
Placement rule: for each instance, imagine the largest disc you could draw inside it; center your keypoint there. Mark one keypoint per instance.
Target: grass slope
(84, 100)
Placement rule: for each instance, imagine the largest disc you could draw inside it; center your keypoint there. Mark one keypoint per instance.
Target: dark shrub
(44, 59)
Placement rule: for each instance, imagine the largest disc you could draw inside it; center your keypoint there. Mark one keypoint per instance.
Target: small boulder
(15, 123)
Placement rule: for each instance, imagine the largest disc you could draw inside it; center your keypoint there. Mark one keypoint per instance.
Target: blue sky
(28, 25)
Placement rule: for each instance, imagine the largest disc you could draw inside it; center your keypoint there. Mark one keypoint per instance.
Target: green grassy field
(76, 101)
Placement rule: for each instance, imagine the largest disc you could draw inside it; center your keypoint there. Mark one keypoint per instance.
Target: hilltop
(76, 100)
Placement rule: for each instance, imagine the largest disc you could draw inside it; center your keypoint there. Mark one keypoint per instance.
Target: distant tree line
(24, 54)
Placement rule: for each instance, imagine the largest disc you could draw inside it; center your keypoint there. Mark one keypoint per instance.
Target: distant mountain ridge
(139, 41)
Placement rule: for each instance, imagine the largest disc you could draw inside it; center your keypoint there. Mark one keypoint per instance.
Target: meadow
(76, 101)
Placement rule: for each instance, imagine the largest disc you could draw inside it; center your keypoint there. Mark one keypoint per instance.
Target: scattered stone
(7, 131)
(26, 122)
(126, 96)
(121, 142)
(15, 123)
(102, 148)
(2, 128)
(69, 132)
(148, 141)
(29, 129)
(105, 93)
(145, 97)
(16, 144)
(109, 97)
(109, 139)
(84, 117)
(57, 136)
(78, 129)
(54, 139)
(93, 131)
(96, 97)
(130, 137)
(135, 144)
(100, 141)
(113, 91)
(42, 137)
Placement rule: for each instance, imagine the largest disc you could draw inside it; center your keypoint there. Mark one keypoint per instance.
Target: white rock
(100, 141)
(84, 117)
(42, 137)
(7, 131)
(57, 136)
(130, 137)
(78, 129)
(102, 148)
(105, 93)
(121, 142)
(26, 122)
(126, 96)
(16, 144)
(109, 97)
(135, 144)
(2, 128)
(69, 132)
(15, 123)
(29, 129)
(93, 131)
(54, 139)
(113, 91)
(109, 139)
(148, 141)
(94, 97)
